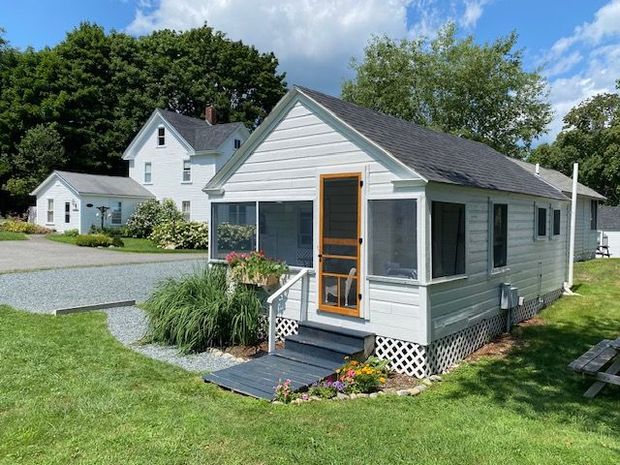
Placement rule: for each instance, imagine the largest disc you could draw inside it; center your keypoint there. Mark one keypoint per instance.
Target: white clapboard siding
(60, 192)
(458, 304)
(89, 214)
(585, 238)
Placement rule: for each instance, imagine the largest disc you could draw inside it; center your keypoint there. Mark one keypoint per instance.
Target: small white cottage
(68, 200)
(173, 155)
(586, 219)
(406, 233)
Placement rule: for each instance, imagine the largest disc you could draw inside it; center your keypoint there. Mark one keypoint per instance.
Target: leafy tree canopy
(591, 137)
(98, 89)
(455, 85)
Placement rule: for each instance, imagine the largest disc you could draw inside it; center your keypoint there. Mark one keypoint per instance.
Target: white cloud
(594, 46)
(473, 12)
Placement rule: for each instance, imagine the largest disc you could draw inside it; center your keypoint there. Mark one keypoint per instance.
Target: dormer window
(237, 143)
(161, 136)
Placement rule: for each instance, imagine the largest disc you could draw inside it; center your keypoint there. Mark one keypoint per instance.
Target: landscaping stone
(362, 395)
(374, 395)
(435, 378)
(277, 402)
(427, 381)
(416, 390)
(422, 387)
(403, 392)
(342, 396)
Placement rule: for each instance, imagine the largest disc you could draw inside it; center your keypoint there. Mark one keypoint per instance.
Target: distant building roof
(197, 132)
(435, 155)
(97, 184)
(609, 218)
(560, 180)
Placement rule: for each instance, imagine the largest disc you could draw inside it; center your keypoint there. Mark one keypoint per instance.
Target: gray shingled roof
(434, 155)
(104, 185)
(197, 132)
(559, 180)
(609, 218)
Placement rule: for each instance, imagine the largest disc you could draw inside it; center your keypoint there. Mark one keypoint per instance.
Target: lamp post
(102, 209)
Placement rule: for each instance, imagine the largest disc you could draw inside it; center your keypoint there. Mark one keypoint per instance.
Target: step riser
(322, 352)
(331, 336)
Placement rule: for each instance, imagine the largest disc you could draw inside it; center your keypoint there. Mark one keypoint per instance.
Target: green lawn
(131, 245)
(12, 236)
(69, 393)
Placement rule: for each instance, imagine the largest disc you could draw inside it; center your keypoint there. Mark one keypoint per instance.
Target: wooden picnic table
(604, 354)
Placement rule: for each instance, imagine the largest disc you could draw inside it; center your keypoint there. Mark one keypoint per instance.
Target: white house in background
(173, 155)
(74, 200)
(586, 229)
(405, 232)
(609, 229)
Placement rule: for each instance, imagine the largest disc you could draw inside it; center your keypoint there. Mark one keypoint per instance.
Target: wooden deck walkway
(308, 357)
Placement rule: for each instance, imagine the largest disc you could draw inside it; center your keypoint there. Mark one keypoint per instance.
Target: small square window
(557, 220)
(161, 136)
(237, 143)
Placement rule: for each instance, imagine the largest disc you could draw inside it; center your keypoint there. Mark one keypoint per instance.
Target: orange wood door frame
(349, 311)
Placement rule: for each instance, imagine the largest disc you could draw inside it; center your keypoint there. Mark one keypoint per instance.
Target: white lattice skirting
(418, 360)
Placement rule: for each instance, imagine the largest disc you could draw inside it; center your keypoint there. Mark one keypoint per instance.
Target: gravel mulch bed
(129, 324)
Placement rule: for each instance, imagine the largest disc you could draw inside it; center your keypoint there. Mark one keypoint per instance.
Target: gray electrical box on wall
(509, 296)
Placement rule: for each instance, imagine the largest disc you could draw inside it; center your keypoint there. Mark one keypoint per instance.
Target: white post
(272, 328)
(573, 218)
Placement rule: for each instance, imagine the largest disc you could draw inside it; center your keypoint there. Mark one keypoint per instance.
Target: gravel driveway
(39, 253)
(45, 291)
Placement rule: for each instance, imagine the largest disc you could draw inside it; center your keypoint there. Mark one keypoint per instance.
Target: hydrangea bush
(181, 235)
(149, 214)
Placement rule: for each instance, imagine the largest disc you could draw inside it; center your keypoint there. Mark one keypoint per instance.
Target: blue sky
(577, 41)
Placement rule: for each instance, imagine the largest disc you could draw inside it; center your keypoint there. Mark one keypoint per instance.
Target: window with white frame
(500, 235)
(393, 238)
(285, 231)
(557, 221)
(148, 176)
(50, 211)
(594, 214)
(186, 209)
(187, 170)
(237, 143)
(117, 213)
(448, 239)
(541, 222)
(67, 212)
(161, 136)
(234, 228)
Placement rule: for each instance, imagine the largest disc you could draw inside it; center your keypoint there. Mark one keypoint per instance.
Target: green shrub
(110, 232)
(198, 311)
(71, 233)
(18, 226)
(181, 235)
(149, 214)
(93, 240)
(235, 236)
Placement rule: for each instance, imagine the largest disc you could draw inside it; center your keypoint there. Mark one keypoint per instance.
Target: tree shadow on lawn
(534, 378)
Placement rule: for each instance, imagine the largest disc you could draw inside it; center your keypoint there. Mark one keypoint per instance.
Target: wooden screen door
(339, 244)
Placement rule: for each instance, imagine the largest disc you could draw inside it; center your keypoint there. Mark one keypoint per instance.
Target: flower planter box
(262, 281)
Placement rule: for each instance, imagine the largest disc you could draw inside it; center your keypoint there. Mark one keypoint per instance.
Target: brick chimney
(211, 114)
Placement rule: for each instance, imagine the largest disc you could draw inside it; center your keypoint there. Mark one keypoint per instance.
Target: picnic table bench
(594, 361)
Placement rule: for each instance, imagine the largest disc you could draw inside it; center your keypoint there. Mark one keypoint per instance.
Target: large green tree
(455, 85)
(590, 136)
(98, 89)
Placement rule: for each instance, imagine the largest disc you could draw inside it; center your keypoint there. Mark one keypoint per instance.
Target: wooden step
(364, 340)
(322, 348)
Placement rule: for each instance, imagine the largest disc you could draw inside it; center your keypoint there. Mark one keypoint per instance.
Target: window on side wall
(285, 231)
(67, 212)
(161, 136)
(231, 231)
(50, 211)
(448, 239)
(392, 238)
(117, 213)
(237, 143)
(557, 222)
(148, 178)
(594, 214)
(500, 235)
(186, 209)
(541, 222)
(187, 170)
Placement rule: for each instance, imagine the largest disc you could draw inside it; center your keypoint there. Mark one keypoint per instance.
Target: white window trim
(443, 279)
(163, 146)
(538, 206)
(118, 207)
(183, 181)
(48, 211)
(144, 181)
(492, 269)
(189, 210)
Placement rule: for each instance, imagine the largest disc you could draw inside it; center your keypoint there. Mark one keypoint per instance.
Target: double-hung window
(67, 212)
(50, 211)
(594, 215)
(186, 209)
(148, 176)
(117, 213)
(448, 239)
(187, 170)
(237, 143)
(500, 235)
(161, 136)
(541, 222)
(557, 221)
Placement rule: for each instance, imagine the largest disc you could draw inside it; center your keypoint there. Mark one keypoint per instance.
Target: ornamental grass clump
(200, 310)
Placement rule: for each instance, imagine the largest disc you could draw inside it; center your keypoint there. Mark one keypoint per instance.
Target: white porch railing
(271, 308)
